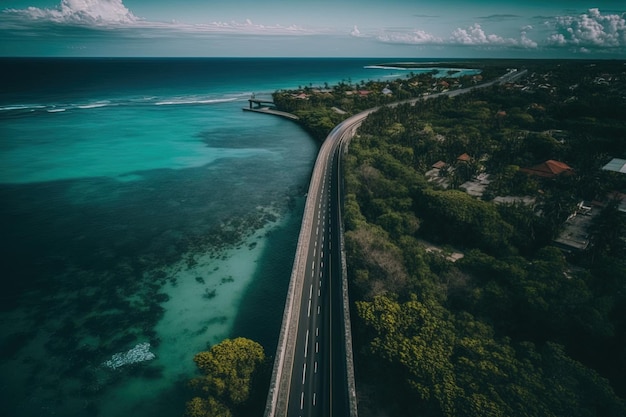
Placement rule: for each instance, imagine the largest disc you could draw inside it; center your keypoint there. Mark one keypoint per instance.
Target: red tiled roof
(439, 164)
(549, 169)
(464, 157)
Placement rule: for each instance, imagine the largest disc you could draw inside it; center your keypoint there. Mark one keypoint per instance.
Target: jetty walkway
(267, 107)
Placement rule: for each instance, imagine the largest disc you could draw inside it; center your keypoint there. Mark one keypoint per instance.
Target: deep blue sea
(143, 217)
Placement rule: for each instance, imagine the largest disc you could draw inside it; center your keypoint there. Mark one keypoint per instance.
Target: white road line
(317, 347)
(313, 399)
(306, 344)
(302, 401)
(317, 331)
(309, 315)
(318, 310)
(315, 367)
(303, 374)
(319, 292)
(311, 291)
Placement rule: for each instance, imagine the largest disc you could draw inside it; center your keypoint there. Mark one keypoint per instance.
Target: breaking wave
(183, 101)
(140, 353)
(188, 100)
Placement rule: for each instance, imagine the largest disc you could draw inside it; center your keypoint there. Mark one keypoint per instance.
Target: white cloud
(472, 36)
(526, 42)
(417, 37)
(590, 30)
(105, 14)
(356, 32)
(81, 12)
(475, 35)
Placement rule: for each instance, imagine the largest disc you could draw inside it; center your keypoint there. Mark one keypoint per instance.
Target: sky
(314, 28)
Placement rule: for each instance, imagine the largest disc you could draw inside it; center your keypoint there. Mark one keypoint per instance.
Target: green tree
(227, 371)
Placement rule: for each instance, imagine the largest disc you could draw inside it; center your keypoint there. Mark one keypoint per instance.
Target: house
(386, 91)
(616, 165)
(464, 158)
(439, 165)
(549, 169)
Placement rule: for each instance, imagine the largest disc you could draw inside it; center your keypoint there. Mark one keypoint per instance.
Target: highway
(313, 371)
(319, 371)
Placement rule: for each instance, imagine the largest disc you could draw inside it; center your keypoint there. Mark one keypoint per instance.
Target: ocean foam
(21, 107)
(139, 353)
(184, 101)
(94, 105)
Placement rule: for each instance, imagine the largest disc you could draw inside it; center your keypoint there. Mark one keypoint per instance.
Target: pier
(268, 107)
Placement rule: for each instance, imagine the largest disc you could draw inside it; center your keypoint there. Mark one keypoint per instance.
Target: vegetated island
(485, 237)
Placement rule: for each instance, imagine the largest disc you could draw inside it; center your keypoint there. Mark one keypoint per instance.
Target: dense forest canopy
(228, 372)
(516, 326)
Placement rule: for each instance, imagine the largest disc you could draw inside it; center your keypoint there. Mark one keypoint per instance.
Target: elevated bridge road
(313, 372)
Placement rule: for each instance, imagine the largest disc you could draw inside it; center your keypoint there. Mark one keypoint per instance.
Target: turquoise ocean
(143, 217)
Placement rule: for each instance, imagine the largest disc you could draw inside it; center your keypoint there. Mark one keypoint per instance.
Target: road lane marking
(311, 291)
(317, 331)
(302, 401)
(315, 367)
(309, 315)
(317, 347)
(318, 310)
(313, 399)
(303, 375)
(306, 344)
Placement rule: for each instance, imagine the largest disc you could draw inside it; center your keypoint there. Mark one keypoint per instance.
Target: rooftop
(549, 169)
(617, 165)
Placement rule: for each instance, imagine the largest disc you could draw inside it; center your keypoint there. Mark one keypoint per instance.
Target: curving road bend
(313, 371)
